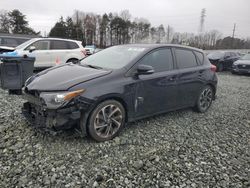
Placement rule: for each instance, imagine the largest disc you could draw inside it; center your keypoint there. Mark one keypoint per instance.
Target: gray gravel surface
(177, 149)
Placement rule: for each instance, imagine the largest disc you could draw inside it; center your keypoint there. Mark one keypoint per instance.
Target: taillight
(213, 68)
(84, 52)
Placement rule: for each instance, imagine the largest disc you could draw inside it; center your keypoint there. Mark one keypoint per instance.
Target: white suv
(51, 51)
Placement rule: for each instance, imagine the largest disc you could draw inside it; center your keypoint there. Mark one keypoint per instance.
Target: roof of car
(56, 39)
(18, 35)
(152, 46)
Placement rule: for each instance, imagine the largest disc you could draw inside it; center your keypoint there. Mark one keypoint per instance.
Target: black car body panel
(63, 77)
(141, 95)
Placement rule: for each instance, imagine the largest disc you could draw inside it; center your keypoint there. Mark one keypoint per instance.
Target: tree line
(114, 29)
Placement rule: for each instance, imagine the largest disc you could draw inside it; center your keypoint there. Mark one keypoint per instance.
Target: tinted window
(160, 60)
(10, 42)
(40, 45)
(185, 58)
(72, 45)
(58, 45)
(199, 57)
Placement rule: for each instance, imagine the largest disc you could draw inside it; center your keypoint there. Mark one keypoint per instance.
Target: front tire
(205, 99)
(106, 120)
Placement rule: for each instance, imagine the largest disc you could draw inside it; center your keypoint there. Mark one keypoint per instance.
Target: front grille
(244, 66)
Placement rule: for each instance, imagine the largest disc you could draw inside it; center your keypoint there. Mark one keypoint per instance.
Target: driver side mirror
(32, 48)
(145, 69)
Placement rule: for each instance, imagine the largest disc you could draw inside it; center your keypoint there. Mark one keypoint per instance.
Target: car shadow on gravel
(75, 134)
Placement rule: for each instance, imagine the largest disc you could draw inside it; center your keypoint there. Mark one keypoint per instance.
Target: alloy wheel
(108, 120)
(206, 98)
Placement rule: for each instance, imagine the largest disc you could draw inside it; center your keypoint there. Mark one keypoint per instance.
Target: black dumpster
(14, 71)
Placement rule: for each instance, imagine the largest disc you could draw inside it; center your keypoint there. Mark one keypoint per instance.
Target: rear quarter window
(200, 57)
(58, 45)
(72, 45)
(185, 58)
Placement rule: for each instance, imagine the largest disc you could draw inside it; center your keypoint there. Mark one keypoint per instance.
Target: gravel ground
(177, 149)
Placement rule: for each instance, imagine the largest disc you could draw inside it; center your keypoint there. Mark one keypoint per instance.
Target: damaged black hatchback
(118, 85)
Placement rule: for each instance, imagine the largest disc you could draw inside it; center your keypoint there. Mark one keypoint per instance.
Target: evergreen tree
(59, 30)
(19, 24)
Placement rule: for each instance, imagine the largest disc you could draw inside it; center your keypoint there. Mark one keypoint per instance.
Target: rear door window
(161, 60)
(200, 57)
(185, 58)
(58, 45)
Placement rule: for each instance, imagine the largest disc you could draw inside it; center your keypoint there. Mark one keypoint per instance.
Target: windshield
(114, 57)
(215, 55)
(23, 45)
(246, 57)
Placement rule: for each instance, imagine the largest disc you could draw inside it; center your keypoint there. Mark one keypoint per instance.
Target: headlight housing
(58, 99)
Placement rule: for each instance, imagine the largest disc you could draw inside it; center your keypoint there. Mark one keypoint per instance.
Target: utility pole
(202, 20)
(233, 35)
(168, 33)
(234, 30)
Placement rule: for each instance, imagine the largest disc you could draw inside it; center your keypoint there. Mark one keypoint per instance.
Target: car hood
(5, 49)
(63, 77)
(215, 59)
(242, 62)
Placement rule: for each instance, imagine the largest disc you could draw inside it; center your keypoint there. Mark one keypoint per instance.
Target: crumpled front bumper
(56, 119)
(62, 118)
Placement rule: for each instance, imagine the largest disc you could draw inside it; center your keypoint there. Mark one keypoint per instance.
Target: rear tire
(73, 60)
(205, 99)
(106, 120)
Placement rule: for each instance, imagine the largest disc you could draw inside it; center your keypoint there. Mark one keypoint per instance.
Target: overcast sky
(182, 15)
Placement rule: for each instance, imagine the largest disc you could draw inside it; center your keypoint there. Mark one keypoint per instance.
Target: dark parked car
(223, 60)
(121, 84)
(242, 66)
(13, 40)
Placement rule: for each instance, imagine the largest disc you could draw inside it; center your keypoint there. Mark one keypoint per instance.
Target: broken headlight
(56, 100)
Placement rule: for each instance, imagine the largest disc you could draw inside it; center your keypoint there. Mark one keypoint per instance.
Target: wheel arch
(73, 58)
(100, 100)
(213, 88)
